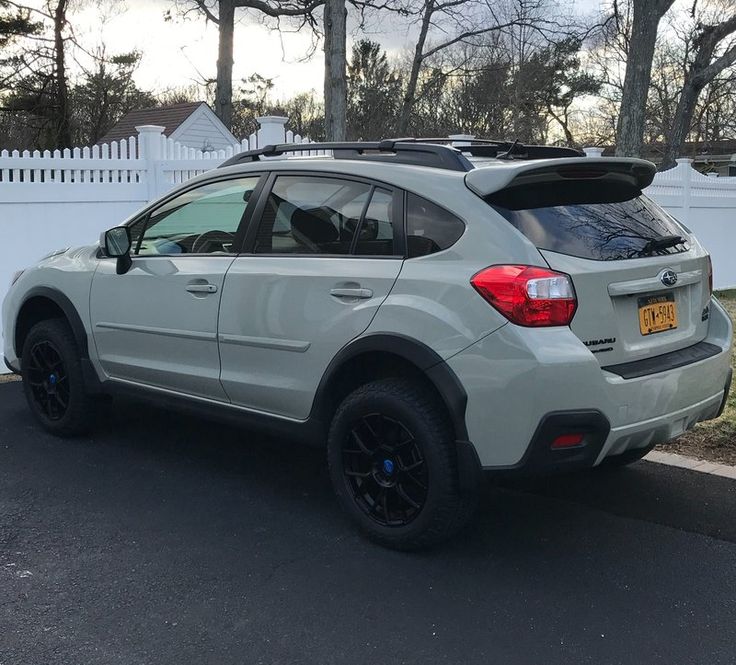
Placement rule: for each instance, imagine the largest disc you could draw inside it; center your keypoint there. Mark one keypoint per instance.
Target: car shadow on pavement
(685, 500)
(152, 435)
(196, 537)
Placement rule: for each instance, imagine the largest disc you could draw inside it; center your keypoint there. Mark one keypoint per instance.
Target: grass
(714, 440)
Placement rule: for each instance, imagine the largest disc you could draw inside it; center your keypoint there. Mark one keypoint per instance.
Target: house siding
(202, 134)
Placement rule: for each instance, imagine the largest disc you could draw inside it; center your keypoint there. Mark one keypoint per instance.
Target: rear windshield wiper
(658, 244)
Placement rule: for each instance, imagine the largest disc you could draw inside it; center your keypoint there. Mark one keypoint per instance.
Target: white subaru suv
(424, 316)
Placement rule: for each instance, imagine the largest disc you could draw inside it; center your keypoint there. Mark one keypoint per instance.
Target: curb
(692, 464)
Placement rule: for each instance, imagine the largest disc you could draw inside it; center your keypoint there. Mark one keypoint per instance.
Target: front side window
(309, 215)
(200, 221)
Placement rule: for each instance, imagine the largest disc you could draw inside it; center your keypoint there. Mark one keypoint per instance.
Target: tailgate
(629, 310)
(641, 280)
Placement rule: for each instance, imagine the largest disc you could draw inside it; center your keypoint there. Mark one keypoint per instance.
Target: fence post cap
(593, 151)
(684, 160)
(150, 129)
(272, 119)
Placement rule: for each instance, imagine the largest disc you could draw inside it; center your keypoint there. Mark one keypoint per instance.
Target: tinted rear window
(605, 225)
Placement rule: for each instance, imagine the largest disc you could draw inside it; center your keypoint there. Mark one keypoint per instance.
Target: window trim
(240, 233)
(397, 216)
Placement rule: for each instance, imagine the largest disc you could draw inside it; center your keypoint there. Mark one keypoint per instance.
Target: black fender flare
(70, 312)
(418, 354)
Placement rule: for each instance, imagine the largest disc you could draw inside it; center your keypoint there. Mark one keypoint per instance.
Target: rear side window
(311, 215)
(316, 215)
(604, 224)
(429, 228)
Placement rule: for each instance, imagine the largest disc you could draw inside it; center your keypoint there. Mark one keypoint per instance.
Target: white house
(192, 124)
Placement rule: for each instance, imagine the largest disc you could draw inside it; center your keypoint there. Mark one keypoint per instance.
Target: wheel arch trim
(425, 359)
(66, 306)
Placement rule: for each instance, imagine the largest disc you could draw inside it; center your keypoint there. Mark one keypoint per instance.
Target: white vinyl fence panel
(50, 200)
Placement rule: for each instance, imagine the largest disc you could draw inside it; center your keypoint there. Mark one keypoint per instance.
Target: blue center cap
(388, 466)
(52, 379)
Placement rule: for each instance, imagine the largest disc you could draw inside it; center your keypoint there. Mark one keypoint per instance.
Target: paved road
(162, 539)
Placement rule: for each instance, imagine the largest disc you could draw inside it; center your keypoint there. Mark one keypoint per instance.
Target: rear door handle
(351, 293)
(201, 288)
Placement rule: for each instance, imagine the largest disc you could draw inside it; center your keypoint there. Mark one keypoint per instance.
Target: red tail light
(568, 441)
(527, 295)
(710, 275)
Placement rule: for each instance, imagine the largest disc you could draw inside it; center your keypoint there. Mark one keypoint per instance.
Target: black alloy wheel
(48, 379)
(385, 470)
(53, 380)
(393, 463)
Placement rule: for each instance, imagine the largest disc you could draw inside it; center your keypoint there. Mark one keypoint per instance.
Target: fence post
(459, 140)
(686, 174)
(593, 152)
(271, 130)
(149, 149)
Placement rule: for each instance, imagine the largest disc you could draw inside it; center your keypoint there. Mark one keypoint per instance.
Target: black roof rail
(396, 151)
(499, 149)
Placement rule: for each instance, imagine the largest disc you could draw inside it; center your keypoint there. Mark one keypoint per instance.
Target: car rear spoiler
(636, 173)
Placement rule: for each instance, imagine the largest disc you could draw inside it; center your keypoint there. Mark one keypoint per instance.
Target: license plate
(657, 314)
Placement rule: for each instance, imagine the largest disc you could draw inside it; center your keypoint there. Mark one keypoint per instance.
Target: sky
(183, 51)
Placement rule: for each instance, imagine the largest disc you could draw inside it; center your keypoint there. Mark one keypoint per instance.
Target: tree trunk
(632, 114)
(701, 72)
(62, 122)
(336, 89)
(416, 65)
(224, 84)
(681, 124)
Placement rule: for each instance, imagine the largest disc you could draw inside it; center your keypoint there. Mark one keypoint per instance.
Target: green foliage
(374, 93)
(15, 23)
(104, 95)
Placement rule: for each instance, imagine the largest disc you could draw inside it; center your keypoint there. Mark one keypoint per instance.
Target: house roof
(170, 117)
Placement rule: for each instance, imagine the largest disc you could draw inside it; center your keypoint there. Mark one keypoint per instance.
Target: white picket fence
(150, 162)
(64, 198)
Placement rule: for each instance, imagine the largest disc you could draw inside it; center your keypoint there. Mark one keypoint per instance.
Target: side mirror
(117, 242)
(117, 246)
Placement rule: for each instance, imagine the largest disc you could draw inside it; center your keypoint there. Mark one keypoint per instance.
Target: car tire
(393, 465)
(53, 381)
(624, 459)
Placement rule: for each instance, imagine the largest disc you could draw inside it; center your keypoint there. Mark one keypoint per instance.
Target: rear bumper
(515, 378)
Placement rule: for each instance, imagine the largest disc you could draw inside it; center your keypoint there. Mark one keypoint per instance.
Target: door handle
(351, 293)
(201, 288)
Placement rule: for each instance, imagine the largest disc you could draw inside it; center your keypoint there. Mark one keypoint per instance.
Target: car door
(323, 257)
(157, 323)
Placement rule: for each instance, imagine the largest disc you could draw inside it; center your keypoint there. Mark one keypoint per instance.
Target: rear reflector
(568, 440)
(528, 295)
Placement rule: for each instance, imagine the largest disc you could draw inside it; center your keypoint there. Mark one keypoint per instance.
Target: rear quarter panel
(433, 300)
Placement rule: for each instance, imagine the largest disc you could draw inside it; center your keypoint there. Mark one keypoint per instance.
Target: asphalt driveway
(162, 539)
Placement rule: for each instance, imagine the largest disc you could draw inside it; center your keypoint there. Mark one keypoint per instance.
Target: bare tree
(646, 17)
(222, 13)
(336, 91)
(705, 66)
(63, 113)
(41, 82)
(446, 23)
